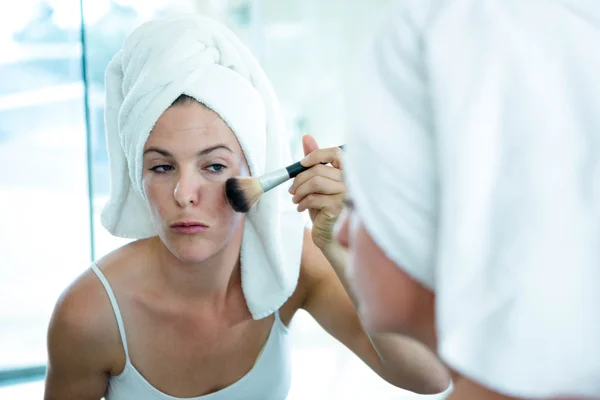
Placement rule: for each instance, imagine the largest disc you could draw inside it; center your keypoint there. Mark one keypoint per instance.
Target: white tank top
(269, 378)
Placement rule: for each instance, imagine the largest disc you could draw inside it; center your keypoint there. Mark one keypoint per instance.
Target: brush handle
(297, 168)
(277, 177)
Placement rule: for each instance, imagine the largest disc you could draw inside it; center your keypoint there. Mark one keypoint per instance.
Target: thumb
(309, 144)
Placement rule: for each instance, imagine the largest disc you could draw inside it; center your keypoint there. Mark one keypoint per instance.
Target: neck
(211, 281)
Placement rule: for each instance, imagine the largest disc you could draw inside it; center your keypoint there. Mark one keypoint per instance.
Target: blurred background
(52, 61)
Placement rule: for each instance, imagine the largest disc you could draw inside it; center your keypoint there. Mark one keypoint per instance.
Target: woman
(172, 315)
(472, 163)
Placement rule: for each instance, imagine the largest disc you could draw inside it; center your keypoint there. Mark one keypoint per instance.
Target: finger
(322, 202)
(318, 170)
(331, 155)
(309, 144)
(318, 185)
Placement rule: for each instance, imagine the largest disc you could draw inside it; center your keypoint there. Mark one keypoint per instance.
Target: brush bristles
(243, 192)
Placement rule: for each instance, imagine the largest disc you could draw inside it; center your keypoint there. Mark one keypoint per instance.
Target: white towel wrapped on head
(201, 58)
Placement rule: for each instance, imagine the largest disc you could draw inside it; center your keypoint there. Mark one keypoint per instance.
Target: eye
(161, 169)
(216, 168)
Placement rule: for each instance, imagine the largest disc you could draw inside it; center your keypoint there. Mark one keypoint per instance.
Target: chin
(192, 250)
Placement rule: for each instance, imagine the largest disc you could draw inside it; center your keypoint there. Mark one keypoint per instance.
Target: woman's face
(389, 300)
(188, 156)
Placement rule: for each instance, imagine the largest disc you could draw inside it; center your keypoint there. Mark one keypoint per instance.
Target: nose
(342, 230)
(186, 191)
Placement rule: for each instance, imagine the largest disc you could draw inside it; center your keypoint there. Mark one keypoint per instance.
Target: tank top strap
(115, 307)
(279, 322)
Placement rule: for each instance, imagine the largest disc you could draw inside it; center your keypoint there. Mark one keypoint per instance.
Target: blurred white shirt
(488, 114)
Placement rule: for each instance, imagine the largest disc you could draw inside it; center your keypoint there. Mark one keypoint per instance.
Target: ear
(309, 144)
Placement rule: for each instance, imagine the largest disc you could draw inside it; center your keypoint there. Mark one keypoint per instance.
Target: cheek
(159, 195)
(215, 202)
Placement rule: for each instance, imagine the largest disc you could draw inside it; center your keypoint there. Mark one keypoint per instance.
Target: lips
(189, 228)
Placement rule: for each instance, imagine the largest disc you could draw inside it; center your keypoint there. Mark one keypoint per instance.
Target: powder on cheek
(230, 217)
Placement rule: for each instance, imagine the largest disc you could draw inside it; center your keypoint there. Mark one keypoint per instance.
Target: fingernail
(290, 189)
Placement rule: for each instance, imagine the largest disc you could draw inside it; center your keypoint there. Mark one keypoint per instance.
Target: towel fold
(391, 130)
(201, 58)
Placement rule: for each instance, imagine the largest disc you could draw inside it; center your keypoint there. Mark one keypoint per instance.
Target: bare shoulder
(84, 323)
(83, 342)
(83, 319)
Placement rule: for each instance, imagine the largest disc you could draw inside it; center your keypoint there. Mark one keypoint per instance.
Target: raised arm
(399, 360)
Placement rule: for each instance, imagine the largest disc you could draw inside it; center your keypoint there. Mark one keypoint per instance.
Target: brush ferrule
(273, 179)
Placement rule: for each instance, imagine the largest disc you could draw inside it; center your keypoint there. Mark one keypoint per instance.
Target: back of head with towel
(198, 305)
(473, 166)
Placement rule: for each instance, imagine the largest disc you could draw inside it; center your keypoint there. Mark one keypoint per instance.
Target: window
(43, 191)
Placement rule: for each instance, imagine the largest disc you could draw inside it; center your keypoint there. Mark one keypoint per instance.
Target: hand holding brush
(243, 192)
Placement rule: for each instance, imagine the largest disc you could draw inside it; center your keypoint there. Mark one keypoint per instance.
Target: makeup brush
(243, 192)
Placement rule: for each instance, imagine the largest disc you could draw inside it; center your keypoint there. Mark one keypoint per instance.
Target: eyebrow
(200, 153)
